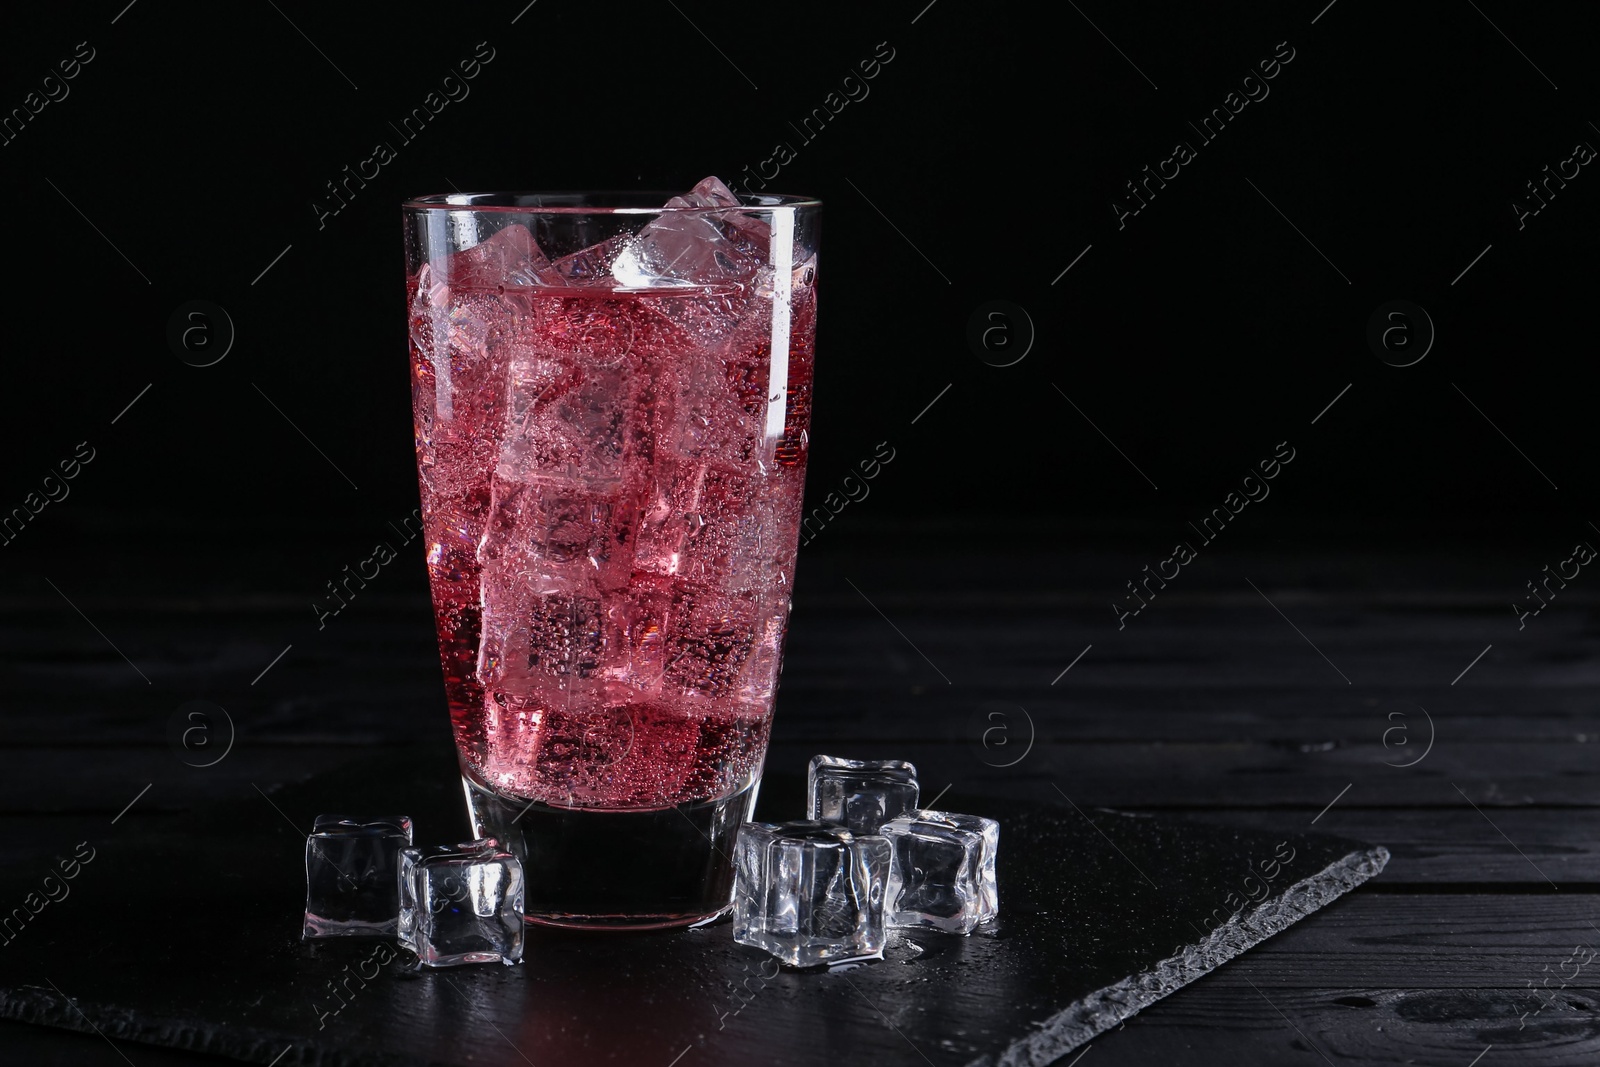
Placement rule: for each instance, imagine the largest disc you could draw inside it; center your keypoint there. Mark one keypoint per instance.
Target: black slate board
(194, 944)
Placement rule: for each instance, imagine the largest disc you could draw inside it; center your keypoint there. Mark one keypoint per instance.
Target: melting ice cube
(860, 794)
(809, 893)
(943, 873)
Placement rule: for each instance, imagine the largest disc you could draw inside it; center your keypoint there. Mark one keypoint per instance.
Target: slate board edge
(45, 1007)
(1093, 1015)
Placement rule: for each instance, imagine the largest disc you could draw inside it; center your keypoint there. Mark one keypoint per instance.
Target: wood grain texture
(1208, 704)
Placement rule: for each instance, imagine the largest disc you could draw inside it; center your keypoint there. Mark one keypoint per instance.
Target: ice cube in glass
(859, 794)
(350, 875)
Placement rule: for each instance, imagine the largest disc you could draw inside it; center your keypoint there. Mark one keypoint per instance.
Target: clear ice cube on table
(943, 870)
(350, 875)
(461, 904)
(809, 893)
(860, 794)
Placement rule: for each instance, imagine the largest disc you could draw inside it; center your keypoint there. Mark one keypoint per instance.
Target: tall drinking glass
(612, 399)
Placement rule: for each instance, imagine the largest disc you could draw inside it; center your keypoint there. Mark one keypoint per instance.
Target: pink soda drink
(611, 405)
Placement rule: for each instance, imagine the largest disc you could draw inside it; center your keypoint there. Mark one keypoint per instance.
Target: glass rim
(597, 202)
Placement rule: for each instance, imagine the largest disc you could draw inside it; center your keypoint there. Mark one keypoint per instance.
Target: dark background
(1196, 338)
(1264, 688)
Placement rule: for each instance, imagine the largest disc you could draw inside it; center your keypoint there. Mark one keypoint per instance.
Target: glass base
(625, 870)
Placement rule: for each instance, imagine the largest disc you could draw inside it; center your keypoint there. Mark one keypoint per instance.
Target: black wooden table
(1300, 681)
